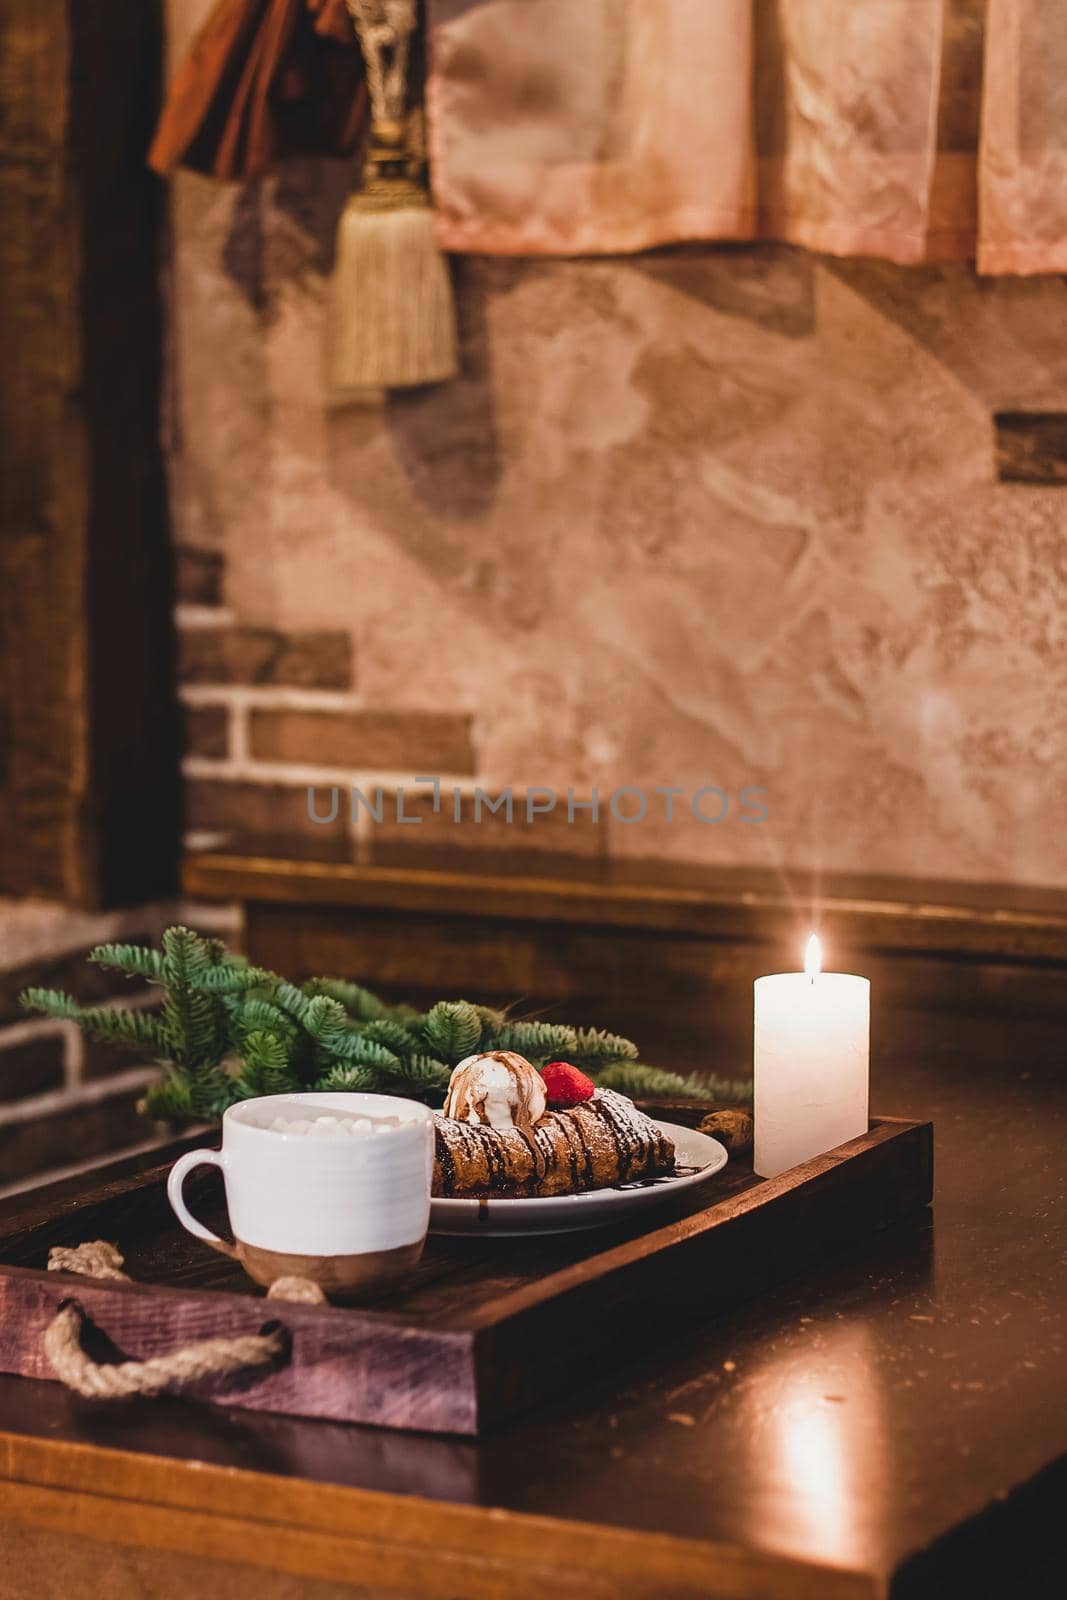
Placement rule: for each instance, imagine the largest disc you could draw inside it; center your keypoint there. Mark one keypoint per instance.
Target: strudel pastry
(605, 1140)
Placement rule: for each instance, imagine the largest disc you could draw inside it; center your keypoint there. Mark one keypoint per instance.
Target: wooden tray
(485, 1327)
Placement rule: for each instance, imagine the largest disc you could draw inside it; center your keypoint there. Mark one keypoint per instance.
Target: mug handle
(176, 1182)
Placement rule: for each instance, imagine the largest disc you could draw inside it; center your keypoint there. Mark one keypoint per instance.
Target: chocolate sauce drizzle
(600, 1144)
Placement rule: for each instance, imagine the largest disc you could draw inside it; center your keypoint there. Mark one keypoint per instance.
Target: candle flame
(813, 957)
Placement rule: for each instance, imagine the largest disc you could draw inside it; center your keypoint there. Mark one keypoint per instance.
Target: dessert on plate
(509, 1131)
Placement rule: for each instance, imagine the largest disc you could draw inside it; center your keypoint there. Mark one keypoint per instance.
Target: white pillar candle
(811, 1063)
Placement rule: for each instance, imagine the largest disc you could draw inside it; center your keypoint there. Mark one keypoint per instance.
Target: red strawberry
(565, 1085)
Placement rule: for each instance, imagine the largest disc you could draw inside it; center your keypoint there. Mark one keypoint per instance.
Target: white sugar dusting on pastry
(593, 1145)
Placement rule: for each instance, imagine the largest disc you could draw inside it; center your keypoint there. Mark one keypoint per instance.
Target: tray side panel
(344, 1365)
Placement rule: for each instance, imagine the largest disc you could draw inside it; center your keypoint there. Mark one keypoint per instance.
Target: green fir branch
(291, 999)
(408, 1016)
(400, 1040)
(223, 978)
(130, 1029)
(425, 1073)
(328, 1023)
(228, 1030)
(184, 1095)
(353, 1047)
(265, 1066)
(185, 956)
(634, 1079)
(594, 1049)
(248, 1014)
(348, 1078)
(169, 1100)
(361, 1005)
(135, 960)
(537, 1041)
(453, 1030)
(211, 1090)
(195, 1022)
(52, 1002)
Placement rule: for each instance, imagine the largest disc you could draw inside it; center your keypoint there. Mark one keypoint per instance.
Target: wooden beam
(399, 1545)
(88, 741)
(726, 904)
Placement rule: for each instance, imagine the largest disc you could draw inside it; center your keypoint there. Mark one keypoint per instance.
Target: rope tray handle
(166, 1374)
(211, 1358)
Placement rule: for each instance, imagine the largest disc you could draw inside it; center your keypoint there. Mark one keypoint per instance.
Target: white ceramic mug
(348, 1212)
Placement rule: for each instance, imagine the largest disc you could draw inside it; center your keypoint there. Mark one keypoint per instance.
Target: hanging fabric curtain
(1023, 201)
(916, 130)
(610, 125)
(264, 79)
(846, 111)
(848, 126)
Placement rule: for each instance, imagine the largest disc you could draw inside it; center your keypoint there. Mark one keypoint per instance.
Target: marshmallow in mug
(331, 1127)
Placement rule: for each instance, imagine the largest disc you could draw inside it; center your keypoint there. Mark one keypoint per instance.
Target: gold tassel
(391, 321)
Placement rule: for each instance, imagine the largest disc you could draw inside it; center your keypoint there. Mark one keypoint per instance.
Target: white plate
(699, 1157)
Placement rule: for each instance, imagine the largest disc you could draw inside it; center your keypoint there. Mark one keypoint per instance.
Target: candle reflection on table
(819, 1445)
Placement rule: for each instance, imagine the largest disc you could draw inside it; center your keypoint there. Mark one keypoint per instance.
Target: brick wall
(67, 1102)
(269, 714)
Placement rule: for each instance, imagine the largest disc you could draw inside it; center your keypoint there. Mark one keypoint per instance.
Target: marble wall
(716, 516)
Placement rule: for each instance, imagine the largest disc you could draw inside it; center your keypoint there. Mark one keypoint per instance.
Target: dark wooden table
(896, 1422)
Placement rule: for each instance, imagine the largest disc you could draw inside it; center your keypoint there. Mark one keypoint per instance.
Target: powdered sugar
(603, 1141)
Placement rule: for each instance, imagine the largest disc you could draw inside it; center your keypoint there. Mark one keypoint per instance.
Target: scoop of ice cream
(500, 1089)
